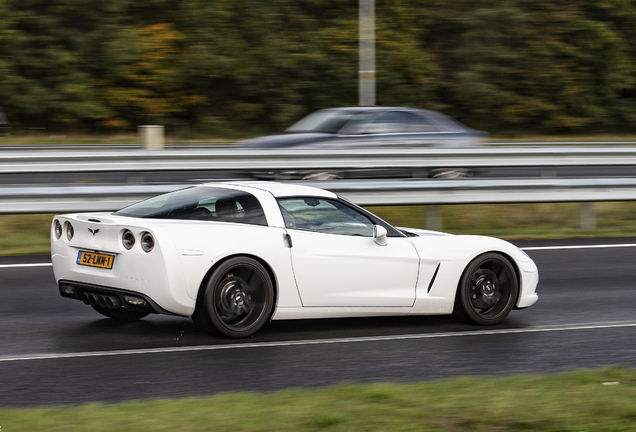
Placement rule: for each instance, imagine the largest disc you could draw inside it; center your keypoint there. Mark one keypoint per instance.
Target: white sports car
(234, 255)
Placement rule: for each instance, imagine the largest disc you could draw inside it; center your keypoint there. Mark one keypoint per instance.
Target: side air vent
(433, 279)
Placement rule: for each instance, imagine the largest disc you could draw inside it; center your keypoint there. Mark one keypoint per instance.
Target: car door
(337, 262)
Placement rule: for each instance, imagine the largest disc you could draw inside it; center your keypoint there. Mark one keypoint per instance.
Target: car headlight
(128, 239)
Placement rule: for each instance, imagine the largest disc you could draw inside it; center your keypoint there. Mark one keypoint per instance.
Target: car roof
(278, 190)
(436, 117)
(371, 108)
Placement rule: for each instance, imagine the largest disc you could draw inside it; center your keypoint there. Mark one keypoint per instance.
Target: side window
(324, 216)
(359, 124)
(416, 123)
(389, 122)
(238, 208)
(201, 203)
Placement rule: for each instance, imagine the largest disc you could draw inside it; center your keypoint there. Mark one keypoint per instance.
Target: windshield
(201, 203)
(326, 121)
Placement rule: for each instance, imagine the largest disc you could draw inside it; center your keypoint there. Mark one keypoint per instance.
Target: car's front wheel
(238, 299)
(488, 290)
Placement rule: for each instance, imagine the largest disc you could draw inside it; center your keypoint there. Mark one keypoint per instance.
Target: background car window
(443, 122)
(415, 123)
(201, 203)
(389, 122)
(359, 124)
(324, 216)
(327, 121)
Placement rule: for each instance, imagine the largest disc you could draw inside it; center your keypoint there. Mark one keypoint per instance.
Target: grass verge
(585, 400)
(76, 138)
(25, 234)
(520, 221)
(29, 234)
(18, 136)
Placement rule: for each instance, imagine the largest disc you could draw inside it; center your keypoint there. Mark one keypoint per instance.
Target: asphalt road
(58, 351)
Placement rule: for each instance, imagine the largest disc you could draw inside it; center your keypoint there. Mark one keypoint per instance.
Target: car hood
(422, 232)
(448, 247)
(284, 140)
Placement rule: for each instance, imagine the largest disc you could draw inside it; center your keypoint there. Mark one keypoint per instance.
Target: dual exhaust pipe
(104, 301)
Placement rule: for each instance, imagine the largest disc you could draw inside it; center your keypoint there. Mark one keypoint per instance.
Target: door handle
(287, 241)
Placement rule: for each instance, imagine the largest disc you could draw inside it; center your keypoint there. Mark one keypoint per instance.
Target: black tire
(120, 314)
(487, 291)
(238, 299)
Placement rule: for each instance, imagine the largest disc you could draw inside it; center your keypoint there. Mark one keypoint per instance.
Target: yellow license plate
(95, 259)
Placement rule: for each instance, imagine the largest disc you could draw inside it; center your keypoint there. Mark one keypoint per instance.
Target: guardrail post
(587, 216)
(366, 80)
(433, 218)
(152, 136)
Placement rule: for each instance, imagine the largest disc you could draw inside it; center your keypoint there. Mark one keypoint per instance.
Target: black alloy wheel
(238, 299)
(488, 290)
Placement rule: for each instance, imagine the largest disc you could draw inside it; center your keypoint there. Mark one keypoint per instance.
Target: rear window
(325, 121)
(201, 203)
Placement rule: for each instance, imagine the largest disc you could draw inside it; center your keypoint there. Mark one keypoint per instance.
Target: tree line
(222, 66)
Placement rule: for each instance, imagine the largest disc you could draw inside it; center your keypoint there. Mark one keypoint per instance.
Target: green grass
(25, 234)
(29, 234)
(130, 138)
(520, 221)
(47, 137)
(562, 138)
(586, 400)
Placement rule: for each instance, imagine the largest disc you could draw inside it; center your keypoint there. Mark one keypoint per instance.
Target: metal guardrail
(202, 145)
(561, 143)
(275, 160)
(58, 199)
(79, 198)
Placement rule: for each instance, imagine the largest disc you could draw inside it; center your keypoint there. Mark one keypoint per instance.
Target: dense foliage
(219, 66)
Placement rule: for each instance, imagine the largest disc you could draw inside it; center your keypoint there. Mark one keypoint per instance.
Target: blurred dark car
(372, 127)
(361, 127)
(3, 123)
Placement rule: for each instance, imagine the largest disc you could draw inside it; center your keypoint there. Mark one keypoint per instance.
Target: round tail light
(147, 242)
(70, 231)
(57, 229)
(128, 239)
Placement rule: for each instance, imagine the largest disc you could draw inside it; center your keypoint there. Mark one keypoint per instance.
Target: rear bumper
(111, 298)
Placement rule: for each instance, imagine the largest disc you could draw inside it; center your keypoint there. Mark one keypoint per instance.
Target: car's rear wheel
(238, 299)
(488, 290)
(452, 173)
(120, 314)
(323, 175)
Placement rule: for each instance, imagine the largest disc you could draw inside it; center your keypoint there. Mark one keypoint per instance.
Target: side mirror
(379, 235)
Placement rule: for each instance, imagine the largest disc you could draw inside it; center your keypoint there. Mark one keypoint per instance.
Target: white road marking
(26, 265)
(626, 245)
(569, 327)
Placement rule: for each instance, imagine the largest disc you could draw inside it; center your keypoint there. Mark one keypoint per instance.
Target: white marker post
(367, 52)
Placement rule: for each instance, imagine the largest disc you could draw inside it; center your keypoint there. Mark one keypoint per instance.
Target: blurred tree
(533, 66)
(509, 65)
(150, 82)
(270, 63)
